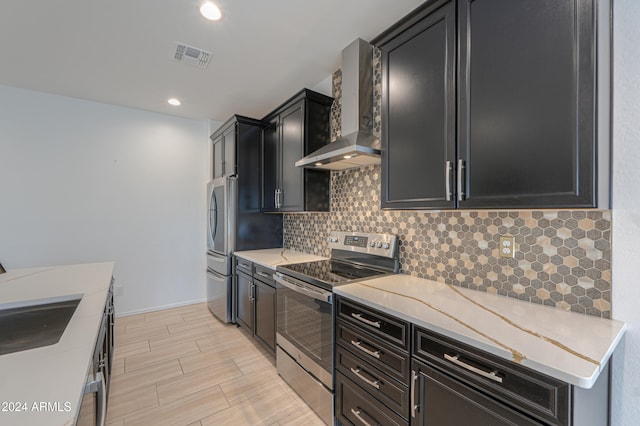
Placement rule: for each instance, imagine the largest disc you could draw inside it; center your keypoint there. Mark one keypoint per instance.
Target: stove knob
(378, 244)
(385, 246)
(372, 243)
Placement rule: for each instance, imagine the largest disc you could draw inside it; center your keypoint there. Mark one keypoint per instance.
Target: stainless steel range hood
(358, 146)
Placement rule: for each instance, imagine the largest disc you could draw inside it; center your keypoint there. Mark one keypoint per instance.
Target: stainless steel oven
(304, 352)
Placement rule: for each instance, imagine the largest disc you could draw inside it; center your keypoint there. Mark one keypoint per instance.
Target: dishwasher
(455, 384)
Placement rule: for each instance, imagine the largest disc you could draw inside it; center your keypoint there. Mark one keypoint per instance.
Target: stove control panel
(379, 244)
(355, 241)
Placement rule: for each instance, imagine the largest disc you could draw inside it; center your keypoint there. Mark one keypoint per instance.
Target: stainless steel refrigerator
(235, 222)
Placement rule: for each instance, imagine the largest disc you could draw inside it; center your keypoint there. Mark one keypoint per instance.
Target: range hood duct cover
(358, 146)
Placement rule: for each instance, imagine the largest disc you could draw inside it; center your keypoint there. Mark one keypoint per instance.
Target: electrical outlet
(507, 246)
(118, 291)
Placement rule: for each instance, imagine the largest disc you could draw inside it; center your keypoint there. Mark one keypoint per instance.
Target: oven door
(305, 326)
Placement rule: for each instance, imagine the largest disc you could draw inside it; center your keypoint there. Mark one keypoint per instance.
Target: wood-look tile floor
(182, 366)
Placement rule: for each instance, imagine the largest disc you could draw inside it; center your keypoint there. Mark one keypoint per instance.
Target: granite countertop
(54, 375)
(270, 258)
(565, 345)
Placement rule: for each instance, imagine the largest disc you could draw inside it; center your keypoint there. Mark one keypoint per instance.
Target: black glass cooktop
(328, 273)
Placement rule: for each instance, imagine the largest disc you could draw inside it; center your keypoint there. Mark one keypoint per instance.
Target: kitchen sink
(35, 323)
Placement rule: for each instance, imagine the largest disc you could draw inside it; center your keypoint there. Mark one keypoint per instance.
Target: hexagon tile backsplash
(562, 257)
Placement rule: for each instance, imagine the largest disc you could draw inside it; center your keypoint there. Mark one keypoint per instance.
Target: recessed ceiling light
(210, 11)
(174, 102)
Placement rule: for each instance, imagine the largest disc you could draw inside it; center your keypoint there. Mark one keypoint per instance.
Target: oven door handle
(316, 294)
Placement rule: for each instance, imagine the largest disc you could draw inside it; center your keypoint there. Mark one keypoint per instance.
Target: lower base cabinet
(390, 372)
(442, 400)
(372, 365)
(93, 408)
(256, 302)
(244, 300)
(265, 303)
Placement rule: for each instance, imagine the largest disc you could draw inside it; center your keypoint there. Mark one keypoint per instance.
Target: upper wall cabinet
(298, 127)
(496, 104)
(224, 146)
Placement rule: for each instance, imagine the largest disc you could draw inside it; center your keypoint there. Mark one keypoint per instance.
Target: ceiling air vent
(192, 55)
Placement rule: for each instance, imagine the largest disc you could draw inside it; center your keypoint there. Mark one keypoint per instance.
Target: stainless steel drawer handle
(244, 265)
(358, 344)
(493, 375)
(358, 413)
(264, 274)
(373, 383)
(360, 318)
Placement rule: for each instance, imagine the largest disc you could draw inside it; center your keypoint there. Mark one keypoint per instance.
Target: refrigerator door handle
(212, 217)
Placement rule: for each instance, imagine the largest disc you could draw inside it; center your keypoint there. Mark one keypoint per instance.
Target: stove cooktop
(329, 273)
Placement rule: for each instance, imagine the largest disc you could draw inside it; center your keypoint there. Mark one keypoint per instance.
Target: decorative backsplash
(562, 257)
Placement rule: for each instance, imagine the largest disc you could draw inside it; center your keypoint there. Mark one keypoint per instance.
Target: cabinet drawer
(519, 386)
(377, 352)
(378, 323)
(356, 407)
(244, 265)
(390, 392)
(264, 274)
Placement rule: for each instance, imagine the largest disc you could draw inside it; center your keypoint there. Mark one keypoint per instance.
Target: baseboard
(159, 308)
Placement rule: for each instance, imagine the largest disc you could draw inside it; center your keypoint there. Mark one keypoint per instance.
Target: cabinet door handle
(374, 383)
(96, 384)
(358, 412)
(414, 407)
(252, 293)
(359, 317)
(358, 344)
(493, 375)
(448, 167)
(461, 184)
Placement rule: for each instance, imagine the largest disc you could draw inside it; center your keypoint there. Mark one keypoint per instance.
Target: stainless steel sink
(35, 323)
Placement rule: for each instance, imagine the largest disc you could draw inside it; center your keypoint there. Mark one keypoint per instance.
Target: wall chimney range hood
(358, 146)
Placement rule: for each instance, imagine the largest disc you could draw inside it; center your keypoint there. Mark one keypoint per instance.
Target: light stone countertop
(54, 375)
(270, 258)
(568, 346)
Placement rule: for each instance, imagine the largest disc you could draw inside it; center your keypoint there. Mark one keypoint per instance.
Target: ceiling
(121, 51)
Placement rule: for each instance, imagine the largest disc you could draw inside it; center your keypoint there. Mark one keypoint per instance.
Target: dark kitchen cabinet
(372, 365)
(293, 130)
(265, 324)
(516, 117)
(418, 113)
(95, 400)
(244, 289)
(389, 371)
(454, 383)
(256, 302)
(447, 402)
(224, 144)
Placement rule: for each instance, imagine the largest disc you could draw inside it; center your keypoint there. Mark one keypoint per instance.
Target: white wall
(626, 211)
(87, 182)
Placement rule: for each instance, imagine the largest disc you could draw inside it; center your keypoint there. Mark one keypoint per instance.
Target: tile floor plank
(182, 366)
